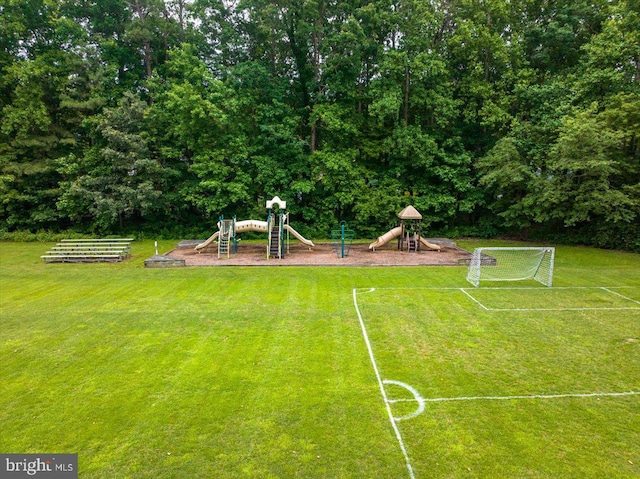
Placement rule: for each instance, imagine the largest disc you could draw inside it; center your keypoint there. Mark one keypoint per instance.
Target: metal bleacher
(110, 250)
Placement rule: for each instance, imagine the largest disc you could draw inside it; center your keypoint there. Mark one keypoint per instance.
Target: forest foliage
(490, 117)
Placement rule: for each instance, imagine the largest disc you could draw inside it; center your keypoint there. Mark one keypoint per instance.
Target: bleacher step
(89, 251)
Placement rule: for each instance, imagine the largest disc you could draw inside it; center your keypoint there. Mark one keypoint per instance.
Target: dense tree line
(501, 116)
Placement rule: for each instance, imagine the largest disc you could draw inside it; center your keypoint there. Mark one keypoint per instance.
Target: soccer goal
(511, 264)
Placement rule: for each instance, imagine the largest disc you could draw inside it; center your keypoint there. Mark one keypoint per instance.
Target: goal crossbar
(511, 264)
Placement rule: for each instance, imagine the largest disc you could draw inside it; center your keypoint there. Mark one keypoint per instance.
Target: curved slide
(252, 225)
(301, 238)
(208, 241)
(394, 233)
(385, 238)
(435, 247)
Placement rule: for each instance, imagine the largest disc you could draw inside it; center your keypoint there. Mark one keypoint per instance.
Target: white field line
(381, 385)
(543, 288)
(621, 308)
(422, 401)
(416, 398)
(533, 396)
(444, 288)
(412, 288)
(621, 295)
(474, 299)
(563, 309)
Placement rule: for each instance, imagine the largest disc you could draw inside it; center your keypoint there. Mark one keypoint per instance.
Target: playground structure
(408, 233)
(277, 228)
(342, 239)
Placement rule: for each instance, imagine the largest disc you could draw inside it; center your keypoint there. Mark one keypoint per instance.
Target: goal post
(511, 264)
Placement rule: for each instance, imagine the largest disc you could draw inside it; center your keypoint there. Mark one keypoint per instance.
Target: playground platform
(324, 254)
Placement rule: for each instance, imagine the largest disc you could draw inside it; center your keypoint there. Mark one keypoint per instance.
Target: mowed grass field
(278, 372)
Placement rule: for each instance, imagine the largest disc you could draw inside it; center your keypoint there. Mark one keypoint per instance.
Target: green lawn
(264, 372)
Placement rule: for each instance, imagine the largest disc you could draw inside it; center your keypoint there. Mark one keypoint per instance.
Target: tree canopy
(490, 117)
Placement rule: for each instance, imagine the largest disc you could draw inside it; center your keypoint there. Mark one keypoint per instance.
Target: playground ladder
(274, 244)
(224, 238)
(276, 237)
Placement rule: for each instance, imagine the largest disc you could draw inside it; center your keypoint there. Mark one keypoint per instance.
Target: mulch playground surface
(323, 254)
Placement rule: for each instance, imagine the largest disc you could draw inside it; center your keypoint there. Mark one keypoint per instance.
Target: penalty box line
(466, 292)
(422, 401)
(603, 288)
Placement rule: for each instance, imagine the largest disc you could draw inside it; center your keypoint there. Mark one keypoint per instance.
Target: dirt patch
(323, 254)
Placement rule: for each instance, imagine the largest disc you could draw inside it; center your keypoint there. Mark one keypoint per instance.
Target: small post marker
(156, 245)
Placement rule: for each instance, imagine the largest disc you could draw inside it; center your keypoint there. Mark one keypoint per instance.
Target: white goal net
(511, 264)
